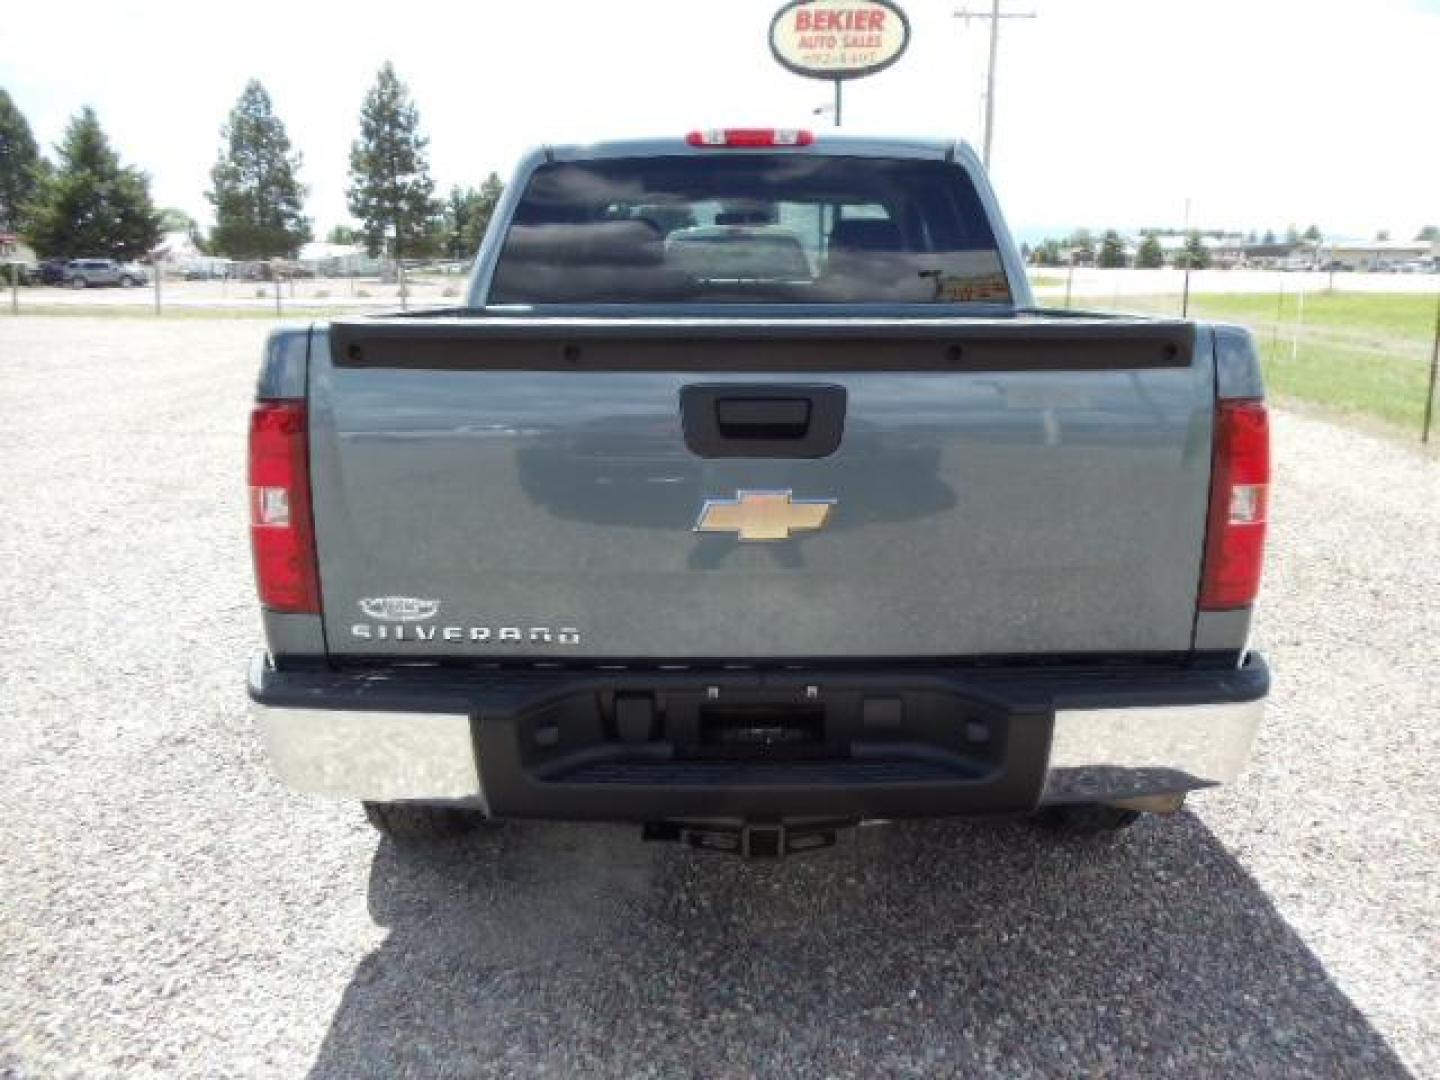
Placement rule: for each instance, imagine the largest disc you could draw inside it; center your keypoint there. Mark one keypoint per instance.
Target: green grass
(1366, 354)
(1042, 281)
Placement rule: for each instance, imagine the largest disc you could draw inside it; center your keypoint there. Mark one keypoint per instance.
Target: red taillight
(743, 137)
(281, 533)
(1239, 506)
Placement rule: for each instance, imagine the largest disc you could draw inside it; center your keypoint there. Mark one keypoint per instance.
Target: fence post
(1299, 318)
(1275, 326)
(1069, 283)
(14, 288)
(277, 295)
(155, 266)
(1434, 371)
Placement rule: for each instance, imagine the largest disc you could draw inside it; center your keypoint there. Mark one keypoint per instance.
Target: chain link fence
(257, 293)
(1363, 345)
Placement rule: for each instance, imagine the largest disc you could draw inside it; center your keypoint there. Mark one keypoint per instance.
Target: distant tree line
(88, 202)
(1081, 248)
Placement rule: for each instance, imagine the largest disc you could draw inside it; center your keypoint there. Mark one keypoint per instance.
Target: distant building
(1376, 254)
(14, 250)
(336, 260)
(1268, 256)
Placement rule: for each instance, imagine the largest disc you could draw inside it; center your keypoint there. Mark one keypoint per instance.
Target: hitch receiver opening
(756, 840)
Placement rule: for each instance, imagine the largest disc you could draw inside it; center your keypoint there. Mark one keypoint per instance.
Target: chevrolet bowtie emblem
(763, 515)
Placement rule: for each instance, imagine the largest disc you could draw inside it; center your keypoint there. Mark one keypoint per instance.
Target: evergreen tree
(1430, 233)
(1081, 244)
(1150, 254)
(1196, 255)
(1046, 253)
(341, 234)
(93, 205)
(21, 167)
(258, 199)
(1112, 250)
(390, 186)
(1269, 237)
(467, 215)
(1312, 234)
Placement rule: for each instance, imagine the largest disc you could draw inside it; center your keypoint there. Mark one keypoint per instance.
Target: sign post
(838, 39)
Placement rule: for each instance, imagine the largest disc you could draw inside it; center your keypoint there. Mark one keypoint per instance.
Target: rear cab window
(750, 228)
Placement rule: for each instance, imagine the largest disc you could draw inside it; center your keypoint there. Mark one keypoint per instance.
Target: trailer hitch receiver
(751, 840)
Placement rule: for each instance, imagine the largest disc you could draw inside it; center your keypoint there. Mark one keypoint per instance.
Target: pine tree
(1112, 250)
(467, 214)
(1150, 254)
(21, 166)
(1196, 255)
(1311, 234)
(391, 190)
(258, 199)
(93, 205)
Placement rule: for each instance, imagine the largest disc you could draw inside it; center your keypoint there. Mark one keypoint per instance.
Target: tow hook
(751, 840)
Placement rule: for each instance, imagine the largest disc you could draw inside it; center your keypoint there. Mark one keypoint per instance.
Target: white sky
(1110, 112)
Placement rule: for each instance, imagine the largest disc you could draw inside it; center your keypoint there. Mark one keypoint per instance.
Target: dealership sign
(839, 39)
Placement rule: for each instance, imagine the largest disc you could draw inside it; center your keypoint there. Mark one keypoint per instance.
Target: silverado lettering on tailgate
(407, 611)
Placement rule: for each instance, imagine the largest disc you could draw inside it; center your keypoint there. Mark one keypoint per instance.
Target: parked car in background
(84, 273)
(50, 271)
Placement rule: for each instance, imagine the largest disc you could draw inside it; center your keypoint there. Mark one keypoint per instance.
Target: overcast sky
(1110, 112)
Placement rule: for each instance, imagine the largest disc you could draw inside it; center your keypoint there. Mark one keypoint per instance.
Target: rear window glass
(749, 228)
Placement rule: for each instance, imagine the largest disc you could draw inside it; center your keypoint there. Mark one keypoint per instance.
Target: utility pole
(994, 15)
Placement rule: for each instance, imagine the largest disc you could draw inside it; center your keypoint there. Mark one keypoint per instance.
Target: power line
(994, 15)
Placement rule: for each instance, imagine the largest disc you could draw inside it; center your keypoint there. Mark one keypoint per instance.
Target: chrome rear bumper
(375, 756)
(357, 746)
(1100, 755)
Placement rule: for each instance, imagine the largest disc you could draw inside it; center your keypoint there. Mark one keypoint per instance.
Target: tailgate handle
(765, 420)
(762, 418)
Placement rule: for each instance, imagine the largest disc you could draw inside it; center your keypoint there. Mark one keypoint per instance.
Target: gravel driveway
(167, 909)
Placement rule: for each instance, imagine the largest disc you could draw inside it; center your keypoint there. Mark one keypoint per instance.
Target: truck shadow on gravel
(920, 947)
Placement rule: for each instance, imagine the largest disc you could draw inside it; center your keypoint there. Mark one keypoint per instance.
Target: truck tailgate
(503, 488)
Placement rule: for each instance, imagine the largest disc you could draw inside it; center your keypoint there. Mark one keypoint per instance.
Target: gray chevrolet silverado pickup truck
(747, 497)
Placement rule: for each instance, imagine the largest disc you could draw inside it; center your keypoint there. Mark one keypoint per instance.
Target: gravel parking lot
(166, 908)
